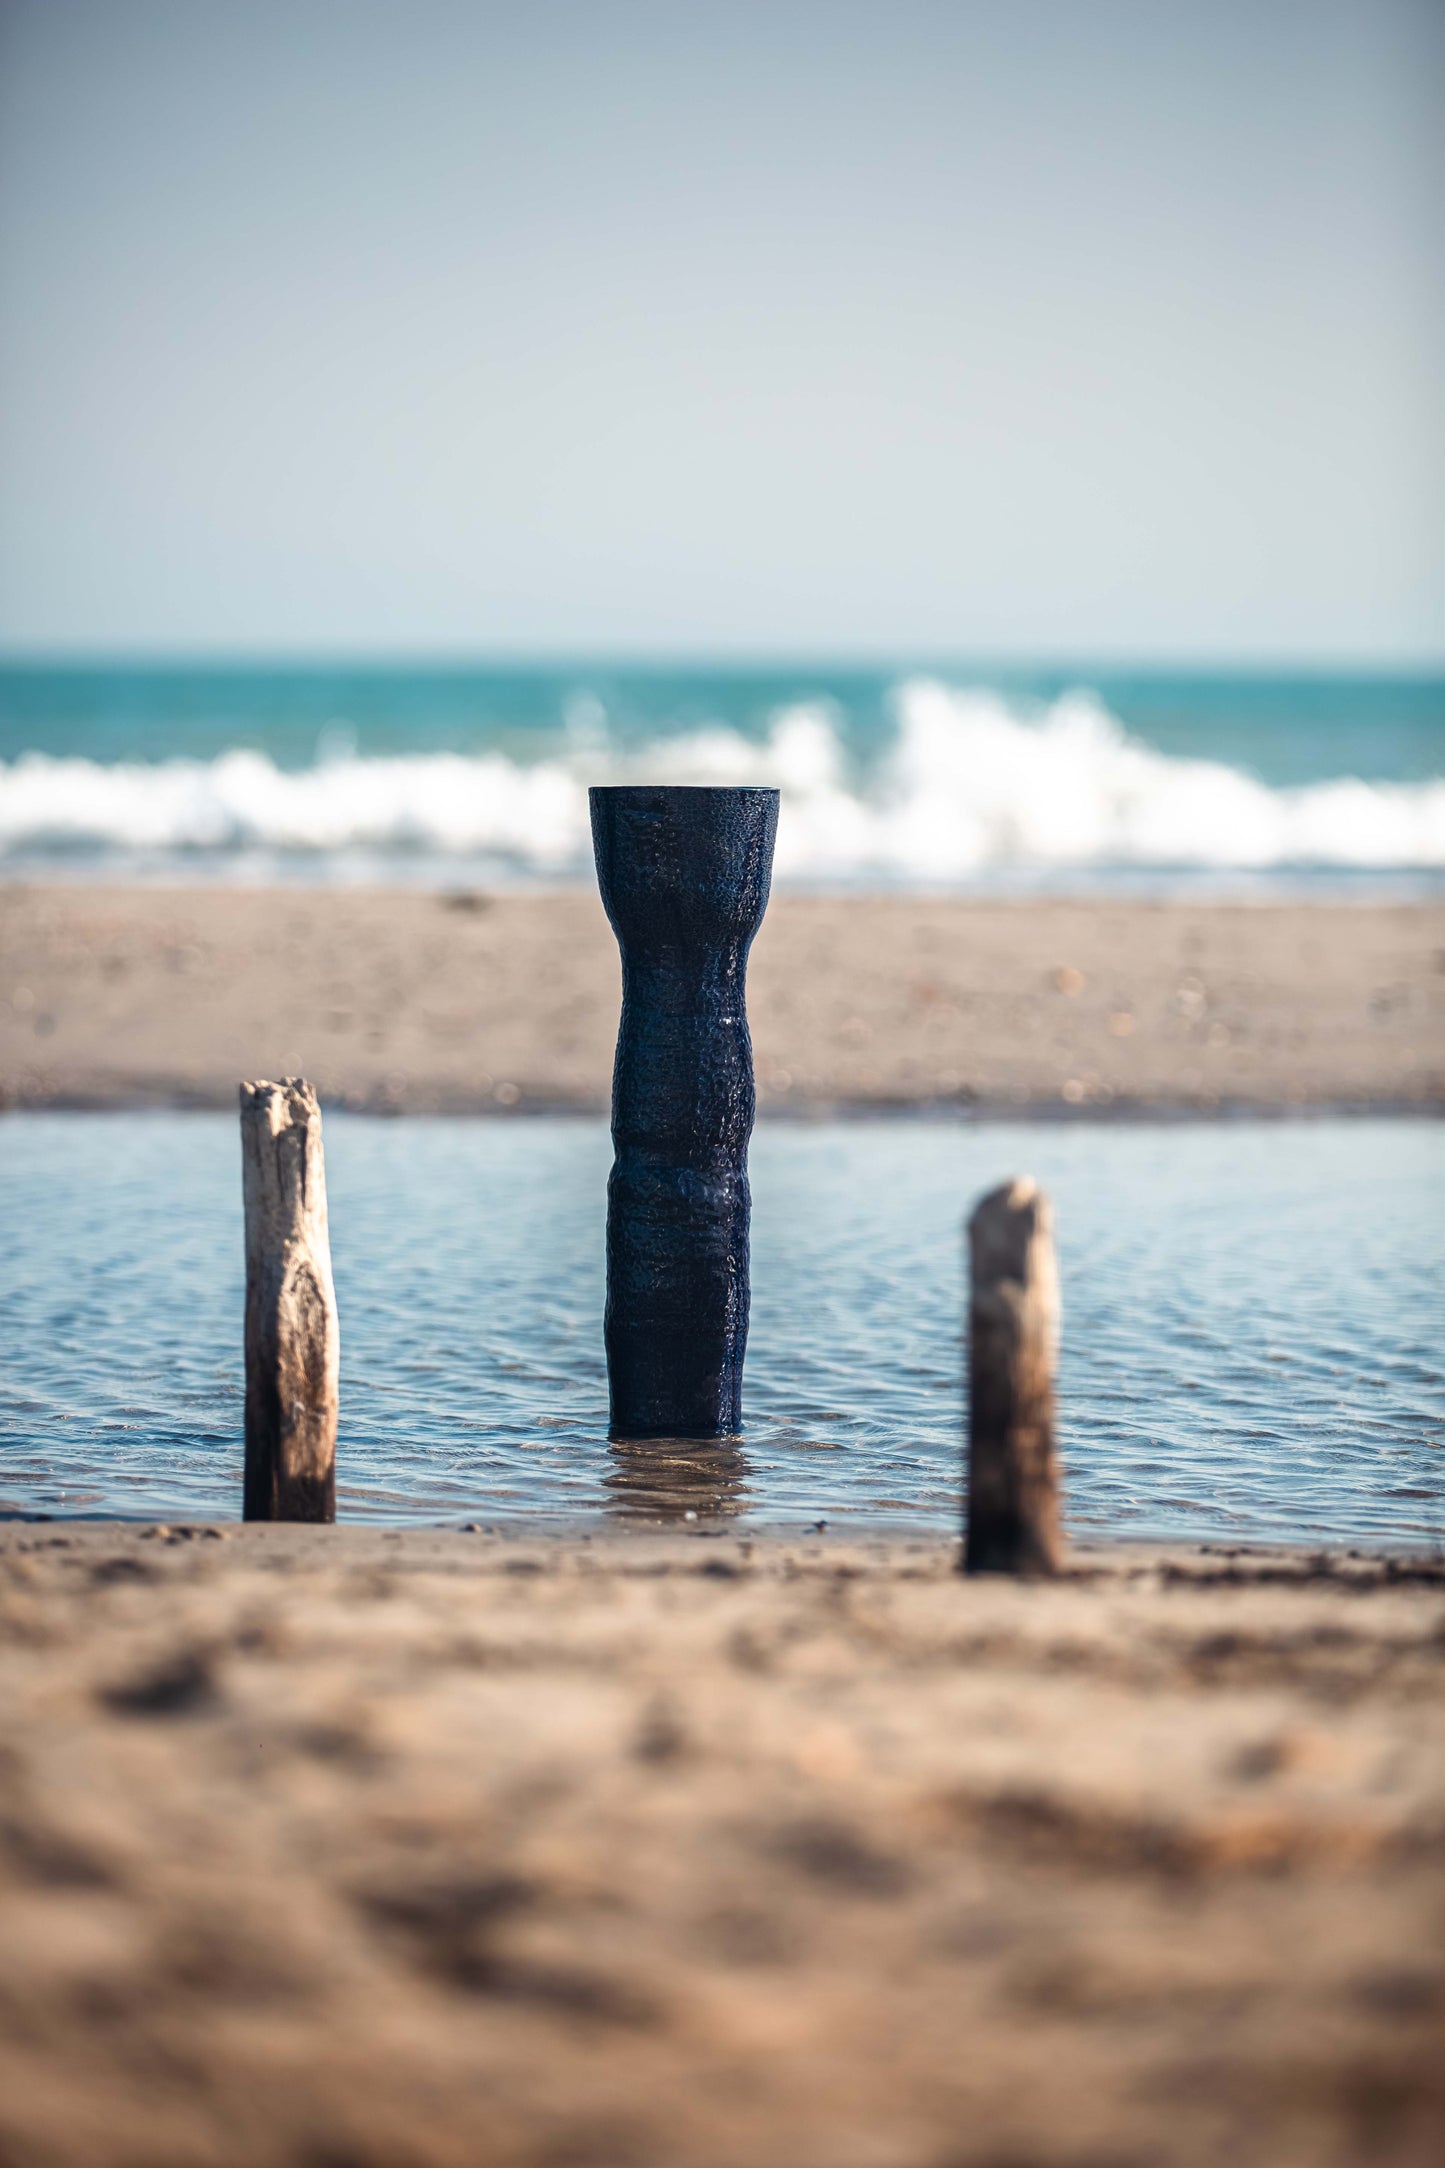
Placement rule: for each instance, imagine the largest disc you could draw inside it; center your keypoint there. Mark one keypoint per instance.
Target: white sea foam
(970, 787)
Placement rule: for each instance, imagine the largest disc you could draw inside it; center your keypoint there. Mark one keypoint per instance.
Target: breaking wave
(969, 787)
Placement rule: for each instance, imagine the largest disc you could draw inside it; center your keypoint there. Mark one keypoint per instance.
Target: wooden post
(292, 1338)
(1013, 1335)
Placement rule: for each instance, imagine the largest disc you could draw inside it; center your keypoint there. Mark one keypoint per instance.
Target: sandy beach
(393, 1848)
(672, 1846)
(466, 1002)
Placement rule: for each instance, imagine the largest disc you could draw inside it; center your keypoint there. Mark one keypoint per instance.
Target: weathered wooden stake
(292, 1339)
(1013, 1337)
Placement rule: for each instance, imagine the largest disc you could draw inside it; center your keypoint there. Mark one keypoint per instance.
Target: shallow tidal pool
(1252, 1324)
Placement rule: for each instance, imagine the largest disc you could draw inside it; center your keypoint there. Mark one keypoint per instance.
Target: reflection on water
(675, 1479)
(1251, 1342)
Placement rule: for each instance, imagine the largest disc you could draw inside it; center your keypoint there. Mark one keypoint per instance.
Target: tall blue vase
(684, 876)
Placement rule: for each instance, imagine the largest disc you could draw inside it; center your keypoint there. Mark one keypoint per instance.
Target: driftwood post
(292, 1339)
(1013, 1335)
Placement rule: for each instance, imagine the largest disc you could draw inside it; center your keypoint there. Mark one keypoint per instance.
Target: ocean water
(1252, 1346)
(947, 778)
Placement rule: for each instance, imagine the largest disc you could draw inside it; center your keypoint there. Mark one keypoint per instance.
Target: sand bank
(447, 1848)
(434, 1003)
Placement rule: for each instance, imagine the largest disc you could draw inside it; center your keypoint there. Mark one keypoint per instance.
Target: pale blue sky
(1056, 327)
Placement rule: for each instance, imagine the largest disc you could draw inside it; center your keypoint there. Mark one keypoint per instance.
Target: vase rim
(689, 790)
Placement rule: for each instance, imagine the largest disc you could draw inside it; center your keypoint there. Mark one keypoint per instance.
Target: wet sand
(418, 1002)
(364, 1849)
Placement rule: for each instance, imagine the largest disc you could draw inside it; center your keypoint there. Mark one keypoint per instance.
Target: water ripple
(1251, 1341)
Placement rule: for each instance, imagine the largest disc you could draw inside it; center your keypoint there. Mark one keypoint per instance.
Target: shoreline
(395, 1001)
(1127, 1112)
(695, 1850)
(1394, 1560)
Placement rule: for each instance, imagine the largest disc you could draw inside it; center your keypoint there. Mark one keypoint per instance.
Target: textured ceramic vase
(684, 877)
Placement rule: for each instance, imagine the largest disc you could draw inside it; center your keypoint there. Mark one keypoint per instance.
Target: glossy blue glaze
(684, 875)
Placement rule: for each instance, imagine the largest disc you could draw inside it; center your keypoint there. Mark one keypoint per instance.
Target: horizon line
(758, 661)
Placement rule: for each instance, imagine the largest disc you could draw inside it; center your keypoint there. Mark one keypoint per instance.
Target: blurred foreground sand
(456, 1003)
(364, 1849)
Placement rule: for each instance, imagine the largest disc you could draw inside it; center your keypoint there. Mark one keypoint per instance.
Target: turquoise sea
(950, 776)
